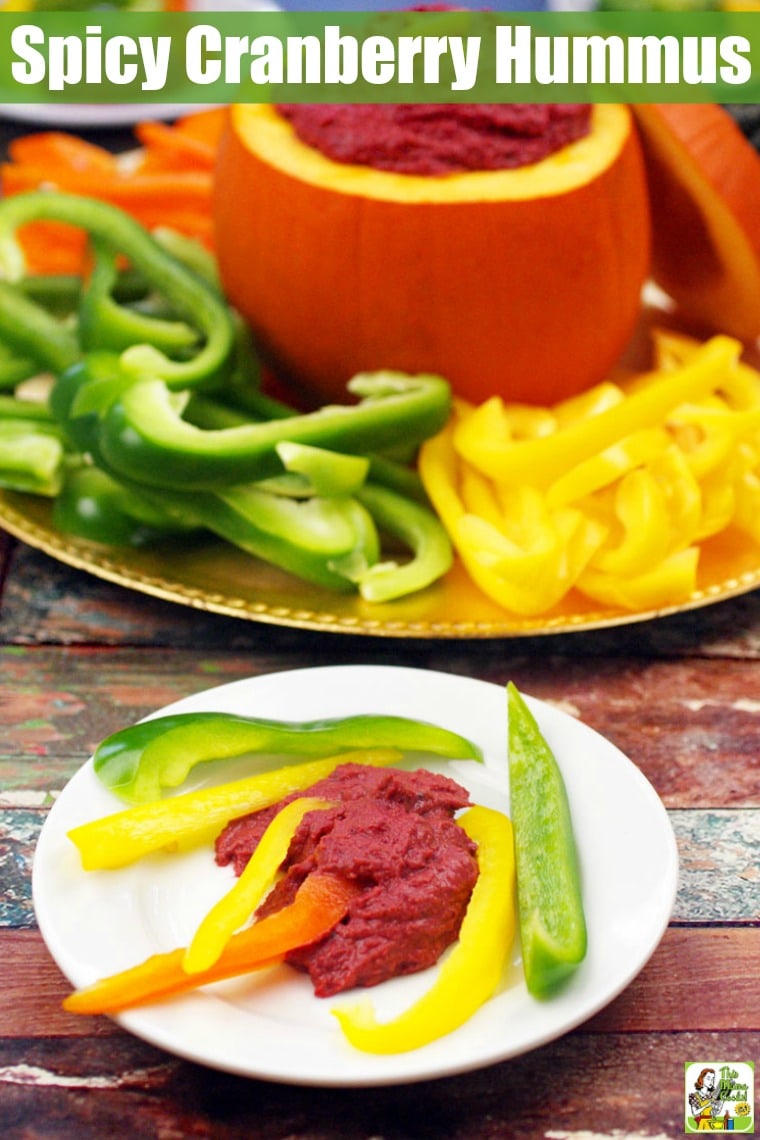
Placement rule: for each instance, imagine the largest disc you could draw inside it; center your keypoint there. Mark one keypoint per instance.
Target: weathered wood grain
(46, 601)
(699, 978)
(693, 727)
(586, 1086)
(719, 856)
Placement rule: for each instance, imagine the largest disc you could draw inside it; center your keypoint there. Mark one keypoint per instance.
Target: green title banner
(380, 57)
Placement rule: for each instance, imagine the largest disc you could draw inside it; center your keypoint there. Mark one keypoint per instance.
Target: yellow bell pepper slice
(642, 510)
(718, 502)
(747, 491)
(236, 907)
(526, 558)
(527, 421)
(671, 582)
(598, 399)
(122, 838)
(474, 967)
(543, 461)
(479, 496)
(741, 386)
(492, 559)
(600, 470)
(681, 491)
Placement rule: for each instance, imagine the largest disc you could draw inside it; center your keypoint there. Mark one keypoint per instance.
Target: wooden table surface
(81, 657)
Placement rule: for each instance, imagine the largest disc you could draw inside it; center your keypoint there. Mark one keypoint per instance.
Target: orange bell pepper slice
(236, 907)
(321, 902)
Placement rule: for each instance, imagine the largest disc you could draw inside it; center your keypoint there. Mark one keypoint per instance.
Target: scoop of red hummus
(435, 139)
(391, 833)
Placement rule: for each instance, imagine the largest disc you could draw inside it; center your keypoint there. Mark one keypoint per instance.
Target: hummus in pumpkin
(431, 139)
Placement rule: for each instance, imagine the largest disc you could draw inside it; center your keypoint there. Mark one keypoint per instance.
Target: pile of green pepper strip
(156, 425)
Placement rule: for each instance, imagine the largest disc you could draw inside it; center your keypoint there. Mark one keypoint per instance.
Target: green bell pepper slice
(105, 324)
(32, 456)
(15, 367)
(139, 762)
(144, 435)
(312, 538)
(93, 506)
(415, 526)
(31, 333)
(192, 298)
(549, 895)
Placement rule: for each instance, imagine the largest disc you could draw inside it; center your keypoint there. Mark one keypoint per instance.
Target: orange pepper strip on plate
(56, 150)
(236, 907)
(207, 126)
(321, 902)
(168, 148)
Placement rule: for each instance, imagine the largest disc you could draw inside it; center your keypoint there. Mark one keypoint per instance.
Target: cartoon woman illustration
(704, 1103)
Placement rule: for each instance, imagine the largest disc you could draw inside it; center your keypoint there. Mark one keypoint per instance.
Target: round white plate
(79, 116)
(270, 1025)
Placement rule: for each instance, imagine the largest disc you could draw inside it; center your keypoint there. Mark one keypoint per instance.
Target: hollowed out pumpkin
(524, 282)
(705, 188)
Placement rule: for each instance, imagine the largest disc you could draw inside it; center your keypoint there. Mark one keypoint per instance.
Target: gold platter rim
(27, 518)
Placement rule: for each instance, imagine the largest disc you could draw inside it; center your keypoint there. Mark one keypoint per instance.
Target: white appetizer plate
(269, 1025)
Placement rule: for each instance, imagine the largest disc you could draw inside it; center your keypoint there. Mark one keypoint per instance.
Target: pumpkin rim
(262, 130)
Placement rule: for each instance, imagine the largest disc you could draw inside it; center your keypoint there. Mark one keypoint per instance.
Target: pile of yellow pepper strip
(609, 493)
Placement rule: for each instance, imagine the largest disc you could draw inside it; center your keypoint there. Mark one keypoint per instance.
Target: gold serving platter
(219, 578)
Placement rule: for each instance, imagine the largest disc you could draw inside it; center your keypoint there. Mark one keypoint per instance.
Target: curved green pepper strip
(194, 300)
(34, 333)
(83, 392)
(104, 324)
(139, 762)
(32, 456)
(91, 505)
(325, 472)
(143, 434)
(417, 527)
(12, 408)
(310, 538)
(313, 539)
(15, 367)
(212, 414)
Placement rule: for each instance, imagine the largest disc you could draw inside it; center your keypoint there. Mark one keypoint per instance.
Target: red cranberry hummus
(436, 139)
(391, 833)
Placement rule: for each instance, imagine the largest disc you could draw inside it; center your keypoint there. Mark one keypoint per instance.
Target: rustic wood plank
(46, 601)
(699, 978)
(719, 854)
(719, 872)
(691, 726)
(583, 1086)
